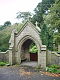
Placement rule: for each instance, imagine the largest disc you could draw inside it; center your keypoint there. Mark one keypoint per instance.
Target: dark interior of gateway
(25, 54)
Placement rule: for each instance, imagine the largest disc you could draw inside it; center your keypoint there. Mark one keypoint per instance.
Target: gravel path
(23, 73)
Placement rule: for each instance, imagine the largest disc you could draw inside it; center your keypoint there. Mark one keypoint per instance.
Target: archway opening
(29, 51)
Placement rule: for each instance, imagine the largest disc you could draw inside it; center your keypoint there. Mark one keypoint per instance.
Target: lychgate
(19, 45)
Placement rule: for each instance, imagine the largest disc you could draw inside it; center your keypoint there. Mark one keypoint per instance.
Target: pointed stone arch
(21, 43)
(27, 32)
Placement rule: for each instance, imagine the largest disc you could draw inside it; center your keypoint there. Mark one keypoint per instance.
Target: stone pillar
(59, 60)
(59, 48)
(10, 56)
(43, 56)
(18, 57)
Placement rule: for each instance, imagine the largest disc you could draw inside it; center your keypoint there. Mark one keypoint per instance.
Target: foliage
(47, 36)
(40, 17)
(41, 8)
(38, 14)
(46, 4)
(44, 34)
(1, 27)
(57, 39)
(3, 63)
(24, 16)
(52, 20)
(7, 23)
(5, 36)
(55, 66)
(53, 69)
(33, 48)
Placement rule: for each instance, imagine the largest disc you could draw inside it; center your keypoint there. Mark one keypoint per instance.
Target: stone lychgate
(19, 43)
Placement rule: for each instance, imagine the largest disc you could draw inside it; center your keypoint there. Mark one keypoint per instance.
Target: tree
(7, 23)
(23, 15)
(38, 14)
(46, 4)
(41, 8)
(52, 20)
(46, 32)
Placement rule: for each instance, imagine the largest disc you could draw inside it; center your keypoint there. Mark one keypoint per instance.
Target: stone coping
(4, 52)
(43, 48)
(56, 54)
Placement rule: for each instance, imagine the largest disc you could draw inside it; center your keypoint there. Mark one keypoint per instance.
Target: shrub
(55, 66)
(53, 69)
(33, 48)
(3, 63)
(58, 71)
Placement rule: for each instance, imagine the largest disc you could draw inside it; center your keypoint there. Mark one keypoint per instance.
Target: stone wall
(53, 58)
(4, 56)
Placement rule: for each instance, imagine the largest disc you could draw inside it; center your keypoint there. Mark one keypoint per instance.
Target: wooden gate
(33, 57)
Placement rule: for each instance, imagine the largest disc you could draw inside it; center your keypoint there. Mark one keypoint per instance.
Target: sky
(9, 8)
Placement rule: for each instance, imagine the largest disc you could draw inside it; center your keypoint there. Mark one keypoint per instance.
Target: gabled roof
(28, 23)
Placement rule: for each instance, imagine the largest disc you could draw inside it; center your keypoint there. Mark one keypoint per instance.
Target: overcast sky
(9, 8)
